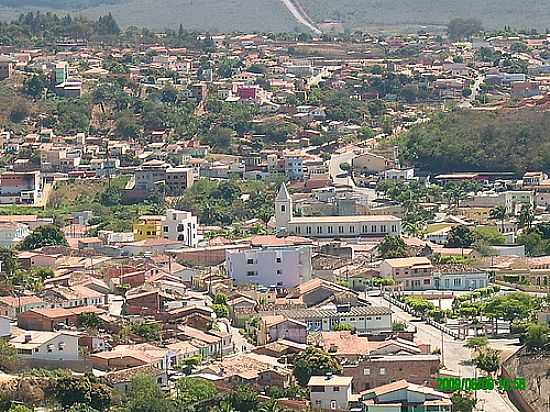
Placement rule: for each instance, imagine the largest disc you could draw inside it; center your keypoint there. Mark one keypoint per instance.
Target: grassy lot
(434, 227)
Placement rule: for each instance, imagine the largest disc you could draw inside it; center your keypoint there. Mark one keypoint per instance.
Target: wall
(283, 267)
(535, 371)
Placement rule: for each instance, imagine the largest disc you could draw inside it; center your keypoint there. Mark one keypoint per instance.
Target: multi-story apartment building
(20, 187)
(282, 267)
(181, 226)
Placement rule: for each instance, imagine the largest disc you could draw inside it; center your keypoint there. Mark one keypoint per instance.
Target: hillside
(56, 4)
(204, 15)
(361, 14)
(480, 141)
(271, 15)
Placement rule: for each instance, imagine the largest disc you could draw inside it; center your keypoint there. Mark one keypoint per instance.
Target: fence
(429, 321)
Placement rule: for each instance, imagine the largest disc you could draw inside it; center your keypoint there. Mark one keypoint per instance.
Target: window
(366, 371)
(352, 229)
(298, 229)
(378, 318)
(165, 228)
(335, 389)
(279, 272)
(340, 229)
(308, 230)
(50, 348)
(333, 405)
(457, 282)
(426, 281)
(251, 273)
(364, 229)
(180, 228)
(278, 260)
(383, 228)
(283, 208)
(382, 371)
(373, 228)
(317, 389)
(369, 317)
(330, 229)
(249, 261)
(319, 230)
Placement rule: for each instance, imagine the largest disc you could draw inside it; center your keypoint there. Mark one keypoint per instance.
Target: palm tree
(526, 215)
(499, 213)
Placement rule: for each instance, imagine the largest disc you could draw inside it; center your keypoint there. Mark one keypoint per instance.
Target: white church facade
(331, 226)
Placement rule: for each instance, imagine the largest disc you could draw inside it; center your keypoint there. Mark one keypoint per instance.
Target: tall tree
(314, 362)
(144, 395)
(499, 213)
(392, 247)
(48, 235)
(460, 236)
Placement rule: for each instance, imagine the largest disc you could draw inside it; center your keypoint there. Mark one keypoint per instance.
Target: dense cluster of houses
(163, 295)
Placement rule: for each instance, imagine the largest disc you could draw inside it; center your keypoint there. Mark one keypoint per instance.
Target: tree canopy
(48, 235)
(314, 362)
(460, 29)
(476, 141)
(392, 247)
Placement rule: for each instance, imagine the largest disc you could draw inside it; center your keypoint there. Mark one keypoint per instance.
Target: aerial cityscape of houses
(244, 212)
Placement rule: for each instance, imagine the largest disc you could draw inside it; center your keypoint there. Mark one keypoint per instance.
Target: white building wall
(356, 227)
(282, 267)
(181, 226)
(61, 347)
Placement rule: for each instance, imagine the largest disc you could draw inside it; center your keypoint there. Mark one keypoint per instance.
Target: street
(454, 353)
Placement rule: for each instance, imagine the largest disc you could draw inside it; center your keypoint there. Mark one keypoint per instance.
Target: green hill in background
(271, 15)
(361, 14)
(204, 15)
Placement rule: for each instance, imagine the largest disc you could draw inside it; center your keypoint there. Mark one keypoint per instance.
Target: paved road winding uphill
(300, 15)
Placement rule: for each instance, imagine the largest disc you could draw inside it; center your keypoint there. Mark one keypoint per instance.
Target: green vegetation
(219, 306)
(537, 337)
(57, 4)
(419, 304)
(392, 247)
(220, 203)
(43, 236)
(536, 240)
(191, 390)
(470, 141)
(314, 362)
(88, 320)
(476, 342)
(463, 29)
(398, 326)
(463, 402)
(488, 360)
(35, 27)
(342, 327)
(151, 332)
(144, 395)
(85, 390)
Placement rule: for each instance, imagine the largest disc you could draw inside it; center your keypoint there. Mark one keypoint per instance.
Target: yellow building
(148, 227)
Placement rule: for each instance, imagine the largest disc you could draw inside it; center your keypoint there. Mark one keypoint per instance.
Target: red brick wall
(417, 371)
